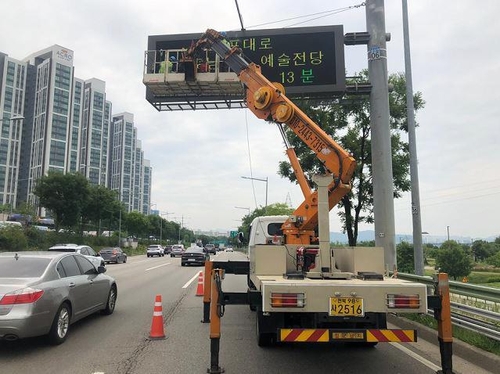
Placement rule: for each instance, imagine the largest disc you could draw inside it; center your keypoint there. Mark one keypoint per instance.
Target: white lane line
(156, 267)
(410, 353)
(191, 280)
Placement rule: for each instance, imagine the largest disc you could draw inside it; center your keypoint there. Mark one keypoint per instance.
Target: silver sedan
(43, 293)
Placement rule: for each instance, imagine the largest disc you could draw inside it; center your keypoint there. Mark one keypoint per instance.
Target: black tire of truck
(264, 339)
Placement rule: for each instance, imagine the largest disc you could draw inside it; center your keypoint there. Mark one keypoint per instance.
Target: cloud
(198, 158)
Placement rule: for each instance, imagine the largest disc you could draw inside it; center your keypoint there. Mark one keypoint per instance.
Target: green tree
(494, 260)
(481, 250)
(64, 195)
(276, 209)
(405, 258)
(101, 204)
(348, 122)
(454, 259)
(137, 224)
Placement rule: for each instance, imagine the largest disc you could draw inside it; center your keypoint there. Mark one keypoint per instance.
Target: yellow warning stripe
(304, 335)
(403, 336)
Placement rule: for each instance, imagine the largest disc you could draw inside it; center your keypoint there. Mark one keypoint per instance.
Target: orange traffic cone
(199, 290)
(157, 331)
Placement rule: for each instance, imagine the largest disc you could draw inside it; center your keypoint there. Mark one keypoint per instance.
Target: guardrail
(473, 307)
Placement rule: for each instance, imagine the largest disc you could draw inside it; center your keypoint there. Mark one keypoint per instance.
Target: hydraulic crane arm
(268, 101)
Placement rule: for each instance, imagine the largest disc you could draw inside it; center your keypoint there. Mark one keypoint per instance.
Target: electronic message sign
(308, 61)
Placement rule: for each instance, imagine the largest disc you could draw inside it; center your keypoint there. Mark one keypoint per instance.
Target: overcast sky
(198, 158)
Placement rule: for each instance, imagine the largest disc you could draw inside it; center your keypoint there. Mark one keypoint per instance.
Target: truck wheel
(264, 339)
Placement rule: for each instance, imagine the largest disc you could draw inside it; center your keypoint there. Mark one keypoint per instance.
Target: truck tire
(264, 339)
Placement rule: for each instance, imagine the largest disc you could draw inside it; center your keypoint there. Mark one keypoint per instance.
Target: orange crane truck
(301, 289)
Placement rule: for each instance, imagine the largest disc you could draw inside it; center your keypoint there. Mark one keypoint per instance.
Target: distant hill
(363, 236)
(368, 235)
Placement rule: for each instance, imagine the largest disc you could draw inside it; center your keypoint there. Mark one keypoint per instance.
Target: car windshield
(62, 249)
(22, 267)
(194, 250)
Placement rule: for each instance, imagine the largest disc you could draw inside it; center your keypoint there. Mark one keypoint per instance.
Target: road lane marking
(191, 280)
(410, 353)
(156, 267)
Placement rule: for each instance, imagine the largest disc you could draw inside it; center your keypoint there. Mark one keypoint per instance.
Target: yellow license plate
(346, 307)
(348, 336)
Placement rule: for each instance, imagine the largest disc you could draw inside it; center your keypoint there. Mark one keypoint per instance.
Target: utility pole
(418, 253)
(383, 203)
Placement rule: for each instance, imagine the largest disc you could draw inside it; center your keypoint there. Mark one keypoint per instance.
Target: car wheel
(125, 260)
(183, 264)
(111, 303)
(60, 326)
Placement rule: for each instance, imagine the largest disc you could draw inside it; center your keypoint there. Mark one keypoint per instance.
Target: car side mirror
(101, 269)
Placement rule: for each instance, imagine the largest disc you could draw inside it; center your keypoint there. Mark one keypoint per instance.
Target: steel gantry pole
(383, 203)
(415, 189)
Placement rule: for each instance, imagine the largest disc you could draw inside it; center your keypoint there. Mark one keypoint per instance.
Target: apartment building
(51, 120)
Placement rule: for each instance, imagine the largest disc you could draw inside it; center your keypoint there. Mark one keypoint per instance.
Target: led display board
(308, 61)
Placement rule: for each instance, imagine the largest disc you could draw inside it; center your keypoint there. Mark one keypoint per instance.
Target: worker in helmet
(222, 66)
(171, 61)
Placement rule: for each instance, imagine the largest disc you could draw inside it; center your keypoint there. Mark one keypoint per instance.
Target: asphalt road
(120, 343)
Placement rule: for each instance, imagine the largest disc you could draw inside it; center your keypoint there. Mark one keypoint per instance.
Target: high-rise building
(124, 159)
(52, 94)
(94, 141)
(12, 100)
(51, 120)
(147, 174)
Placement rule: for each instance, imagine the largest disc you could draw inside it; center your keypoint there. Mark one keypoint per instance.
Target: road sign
(307, 61)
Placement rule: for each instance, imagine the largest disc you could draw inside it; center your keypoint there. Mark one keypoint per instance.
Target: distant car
(43, 293)
(210, 248)
(155, 250)
(194, 256)
(177, 250)
(229, 249)
(113, 254)
(82, 249)
(168, 249)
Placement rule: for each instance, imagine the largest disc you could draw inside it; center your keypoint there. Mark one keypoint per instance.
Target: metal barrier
(475, 308)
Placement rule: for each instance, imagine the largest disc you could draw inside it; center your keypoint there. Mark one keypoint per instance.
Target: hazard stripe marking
(405, 335)
(319, 336)
(304, 335)
(390, 336)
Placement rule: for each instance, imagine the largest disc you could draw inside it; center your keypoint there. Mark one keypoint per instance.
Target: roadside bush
(454, 260)
(13, 239)
(494, 260)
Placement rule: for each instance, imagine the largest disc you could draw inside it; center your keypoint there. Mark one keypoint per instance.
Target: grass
(484, 278)
(470, 337)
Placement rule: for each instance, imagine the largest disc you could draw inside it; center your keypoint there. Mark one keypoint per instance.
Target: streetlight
(260, 180)
(161, 221)
(242, 207)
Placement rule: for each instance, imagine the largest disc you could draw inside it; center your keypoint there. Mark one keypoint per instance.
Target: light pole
(242, 207)
(425, 233)
(260, 180)
(161, 222)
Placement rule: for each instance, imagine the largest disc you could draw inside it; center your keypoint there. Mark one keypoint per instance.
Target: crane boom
(267, 101)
